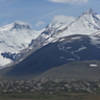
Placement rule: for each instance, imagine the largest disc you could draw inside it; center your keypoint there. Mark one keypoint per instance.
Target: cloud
(40, 23)
(69, 1)
(61, 19)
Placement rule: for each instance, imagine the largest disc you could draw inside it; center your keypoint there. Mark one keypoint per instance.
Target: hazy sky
(40, 12)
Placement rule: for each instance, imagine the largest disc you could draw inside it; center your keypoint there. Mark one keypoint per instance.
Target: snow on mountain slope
(57, 24)
(4, 61)
(61, 21)
(98, 16)
(86, 24)
(14, 38)
(18, 36)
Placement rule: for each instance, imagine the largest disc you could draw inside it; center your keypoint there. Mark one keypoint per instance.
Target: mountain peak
(20, 25)
(17, 25)
(89, 11)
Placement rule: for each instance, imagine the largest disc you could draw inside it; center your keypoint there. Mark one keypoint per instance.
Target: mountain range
(26, 52)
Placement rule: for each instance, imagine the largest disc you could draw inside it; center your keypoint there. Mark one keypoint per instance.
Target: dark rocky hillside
(65, 50)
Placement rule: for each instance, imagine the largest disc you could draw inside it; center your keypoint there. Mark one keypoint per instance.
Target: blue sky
(40, 12)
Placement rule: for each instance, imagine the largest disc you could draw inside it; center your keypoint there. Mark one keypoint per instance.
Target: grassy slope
(74, 71)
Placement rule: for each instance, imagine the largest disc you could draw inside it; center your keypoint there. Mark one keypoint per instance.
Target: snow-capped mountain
(86, 24)
(61, 42)
(68, 49)
(62, 26)
(48, 33)
(14, 38)
(19, 36)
